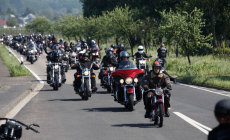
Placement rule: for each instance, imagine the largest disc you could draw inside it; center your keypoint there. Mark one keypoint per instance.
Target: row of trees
(181, 29)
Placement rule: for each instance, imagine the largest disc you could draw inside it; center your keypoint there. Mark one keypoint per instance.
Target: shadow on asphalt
(102, 92)
(107, 109)
(47, 89)
(138, 125)
(66, 100)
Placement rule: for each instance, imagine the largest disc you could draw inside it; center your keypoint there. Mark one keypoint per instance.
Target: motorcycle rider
(140, 53)
(121, 48)
(161, 53)
(222, 114)
(55, 56)
(85, 62)
(154, 79)
(108, 59)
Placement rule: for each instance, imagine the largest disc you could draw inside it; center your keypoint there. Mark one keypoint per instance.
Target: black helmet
(222, 108)
(156, 64)
(124, 54)
(112, 46)
(85, 55)
(109, 51)
(121, 46)
(65, 43)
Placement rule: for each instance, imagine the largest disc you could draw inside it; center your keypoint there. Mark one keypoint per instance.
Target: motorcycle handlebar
(25, 125)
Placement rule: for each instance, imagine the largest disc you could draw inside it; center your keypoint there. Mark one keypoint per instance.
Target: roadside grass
(15, 68)
(205, 70)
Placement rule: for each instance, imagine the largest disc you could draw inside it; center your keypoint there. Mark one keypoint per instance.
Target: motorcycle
(85, 88)
(56, 77)
(157, 102)
(32, 56)
(12, 129)
(95, 54)
(107, 78)
(142, 64)
(66, 61)
(72, 58)
(127, 91)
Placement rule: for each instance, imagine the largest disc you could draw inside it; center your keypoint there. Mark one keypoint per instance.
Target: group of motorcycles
(25, 46)
(124, 82)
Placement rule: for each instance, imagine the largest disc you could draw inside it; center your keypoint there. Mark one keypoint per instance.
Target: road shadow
(66, 100)
(137, 125)
(106, 109)
(102, 92)
(47, 90)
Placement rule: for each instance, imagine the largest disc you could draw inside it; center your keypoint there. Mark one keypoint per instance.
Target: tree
(39, 25)
(187, 30)
(12, 21)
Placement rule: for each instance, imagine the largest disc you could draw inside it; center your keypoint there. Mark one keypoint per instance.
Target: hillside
(41, 7)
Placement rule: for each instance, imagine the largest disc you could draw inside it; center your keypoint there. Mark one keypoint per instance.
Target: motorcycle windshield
(125, 65)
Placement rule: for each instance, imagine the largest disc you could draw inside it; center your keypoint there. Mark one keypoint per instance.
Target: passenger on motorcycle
(222, 114)
(84, 63)
(155, 79)
(108, 59)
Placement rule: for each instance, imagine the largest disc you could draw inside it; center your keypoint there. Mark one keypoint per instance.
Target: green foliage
(186, 29)
(15, 68)
(12, 21)
(39, 25)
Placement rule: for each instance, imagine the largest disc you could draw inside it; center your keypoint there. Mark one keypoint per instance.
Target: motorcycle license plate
(129, 90)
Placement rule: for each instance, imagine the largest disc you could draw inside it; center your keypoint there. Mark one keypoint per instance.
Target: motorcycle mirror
(34, 124)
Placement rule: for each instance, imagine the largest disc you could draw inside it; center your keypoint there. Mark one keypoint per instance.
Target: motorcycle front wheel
(130, 103)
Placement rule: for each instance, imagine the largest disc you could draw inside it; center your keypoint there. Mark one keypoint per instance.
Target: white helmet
(140, 49)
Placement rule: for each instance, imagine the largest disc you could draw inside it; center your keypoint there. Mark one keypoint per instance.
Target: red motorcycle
(157, 101)
(126, 84)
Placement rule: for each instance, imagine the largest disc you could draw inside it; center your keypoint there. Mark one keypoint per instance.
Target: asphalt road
(63, 115)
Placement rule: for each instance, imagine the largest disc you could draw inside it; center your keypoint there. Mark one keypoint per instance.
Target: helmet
(222, 108)
(93, 42)
(112, 46)
(109, 51)
(140, 49)
(121, 46)
(156, 64)
(65, 43)
(124, 54)
(85, 55)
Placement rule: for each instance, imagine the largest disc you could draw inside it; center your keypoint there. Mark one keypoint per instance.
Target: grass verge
(15, 68)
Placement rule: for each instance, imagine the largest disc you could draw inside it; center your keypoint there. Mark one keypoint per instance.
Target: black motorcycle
(56, 76)
(85, 90)
(12, 129)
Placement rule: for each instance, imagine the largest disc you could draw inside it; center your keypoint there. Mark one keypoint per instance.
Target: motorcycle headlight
(43, 42)
(11, 124)
(142, 62)
(135, 80)
(86, 73)
(66, 55)
(128, 80)
(24, 47)
(93, 53)
(121, 81)
(31, 51)
(158, 91)
(111, 68)
(78, 48)
(56, 66)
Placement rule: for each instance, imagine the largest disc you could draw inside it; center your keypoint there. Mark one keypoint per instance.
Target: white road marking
(13, 112)
(205, 90)
(35, 75)
(194, 123)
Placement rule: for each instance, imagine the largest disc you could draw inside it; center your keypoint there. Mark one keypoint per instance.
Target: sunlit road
(63, 115)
